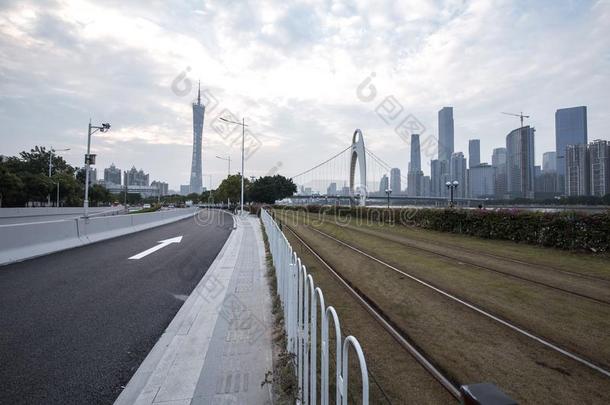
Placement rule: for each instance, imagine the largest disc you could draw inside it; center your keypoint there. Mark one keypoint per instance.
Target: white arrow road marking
(161, 245)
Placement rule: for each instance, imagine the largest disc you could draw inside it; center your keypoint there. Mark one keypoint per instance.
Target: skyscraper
(331, 189)
(112, 175)
(549, 162)
(481, 181)
(520, 163)
(457, 171)
(395, 181)
(599, 161)
(474, 153)
(435, 178)
(415, 174)
(498, 161)
(135, 177)
(577, 170)
(196, 184)
(445, 133)
(570, 129)
(384, 184)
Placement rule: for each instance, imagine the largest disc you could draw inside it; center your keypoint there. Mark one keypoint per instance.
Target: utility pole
(51, 151)
(243, 137)
(90, 159)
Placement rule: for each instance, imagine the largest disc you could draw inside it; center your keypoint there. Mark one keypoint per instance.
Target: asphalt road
(75, 325)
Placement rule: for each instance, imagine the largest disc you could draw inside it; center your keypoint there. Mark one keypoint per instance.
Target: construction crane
(520, 115)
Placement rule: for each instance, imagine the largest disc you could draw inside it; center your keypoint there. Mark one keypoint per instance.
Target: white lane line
(161, 245)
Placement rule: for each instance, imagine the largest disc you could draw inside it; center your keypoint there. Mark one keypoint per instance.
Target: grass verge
(282, 378)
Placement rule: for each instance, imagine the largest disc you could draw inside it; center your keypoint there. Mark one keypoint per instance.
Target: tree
(99, 194)
(269, 189)
(11, 188)
(230, 188)
(194, 197)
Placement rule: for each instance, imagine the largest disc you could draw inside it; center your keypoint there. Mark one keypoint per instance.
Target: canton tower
(196, 185)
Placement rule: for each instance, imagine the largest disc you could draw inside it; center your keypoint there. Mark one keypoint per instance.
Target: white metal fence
(300, 301)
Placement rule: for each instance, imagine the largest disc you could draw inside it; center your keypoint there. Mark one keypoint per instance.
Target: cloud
(292, 69)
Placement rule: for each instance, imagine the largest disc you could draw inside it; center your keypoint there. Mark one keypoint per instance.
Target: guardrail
(27, 240)
(300, 301)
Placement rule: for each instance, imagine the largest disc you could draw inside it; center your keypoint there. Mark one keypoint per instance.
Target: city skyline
(148, 97)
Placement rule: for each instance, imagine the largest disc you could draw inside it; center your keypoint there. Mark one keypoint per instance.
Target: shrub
(563, 230)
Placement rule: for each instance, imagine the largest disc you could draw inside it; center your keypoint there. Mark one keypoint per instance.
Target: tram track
(478, 265)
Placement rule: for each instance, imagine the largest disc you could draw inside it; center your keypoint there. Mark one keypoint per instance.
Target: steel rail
(398, 336)
(475, 308)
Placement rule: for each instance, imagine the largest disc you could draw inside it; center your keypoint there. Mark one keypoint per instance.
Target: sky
(304, 75)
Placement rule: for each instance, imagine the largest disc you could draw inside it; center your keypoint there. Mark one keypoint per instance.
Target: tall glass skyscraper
(520, 162)
(414, 174)
(445, 133)
(474, 153)
(457, 171)
(570, 129)
(498, 161)
(196, 183)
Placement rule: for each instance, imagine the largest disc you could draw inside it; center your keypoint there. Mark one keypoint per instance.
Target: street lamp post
(243, 135)
(452, 186)
(227, 159)
(88, 161)
(51, 151)
(388, 192)
(57, 194)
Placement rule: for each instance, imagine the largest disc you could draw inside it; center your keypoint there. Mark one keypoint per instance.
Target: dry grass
(282, 378)
(395, 377)
(469, 347)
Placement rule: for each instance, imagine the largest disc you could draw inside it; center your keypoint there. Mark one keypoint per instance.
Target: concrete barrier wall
(24, 241)
(21, 241)
(48, 211)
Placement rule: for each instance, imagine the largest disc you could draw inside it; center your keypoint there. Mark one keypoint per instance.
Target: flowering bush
(564, 230)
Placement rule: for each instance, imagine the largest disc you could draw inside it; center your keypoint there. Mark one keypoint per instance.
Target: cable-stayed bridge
(357, 176)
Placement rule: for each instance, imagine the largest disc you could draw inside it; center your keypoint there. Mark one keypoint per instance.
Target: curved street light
(243, 134)
(452, 186)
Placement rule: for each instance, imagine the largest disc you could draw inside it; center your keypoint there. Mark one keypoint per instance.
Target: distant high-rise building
(135, 177)
(185, 189)
(445, 133)
(474, 152)
(599, 160)
(498, 161)
(196, 182)
(92, 176)
(332, 189)
(395, 181)
(384, 184)
(161, 186)
(549, 162)
(570, 129)
(112, 175)
(457, 171)
(520, 163)
(481, 181)
(546, 185)
(414, 174)
(426, 184)
(577, 170)
(435, 178)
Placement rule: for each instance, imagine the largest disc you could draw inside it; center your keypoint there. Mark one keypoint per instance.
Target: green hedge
(564, 230)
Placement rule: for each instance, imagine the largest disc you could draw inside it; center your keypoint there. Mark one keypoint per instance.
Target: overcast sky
(297, 72)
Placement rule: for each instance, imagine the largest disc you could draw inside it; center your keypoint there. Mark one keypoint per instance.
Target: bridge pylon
(358, 156)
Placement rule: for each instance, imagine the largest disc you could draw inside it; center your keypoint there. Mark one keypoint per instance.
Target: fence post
(363, 370)
(331, 313)
(314, 344)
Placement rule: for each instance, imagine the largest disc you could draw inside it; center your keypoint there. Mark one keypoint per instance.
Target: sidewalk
(218, 347)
